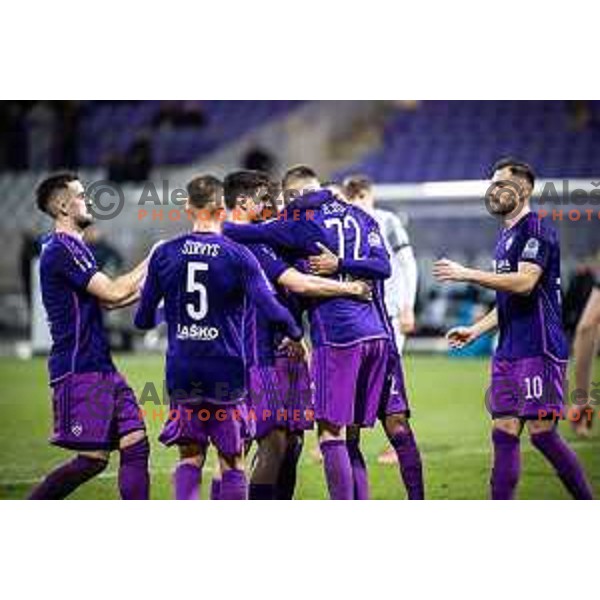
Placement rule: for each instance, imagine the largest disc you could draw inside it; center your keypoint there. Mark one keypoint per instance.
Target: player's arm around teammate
(320, 287)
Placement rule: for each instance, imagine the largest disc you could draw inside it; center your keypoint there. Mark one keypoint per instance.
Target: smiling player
(528, 368)
(95, 411)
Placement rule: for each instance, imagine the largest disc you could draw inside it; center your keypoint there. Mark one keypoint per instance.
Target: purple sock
(234, 485)
(67, 478)
(359, 470)
(565, 463)
(507, 465)
(134, 479)
(261, 491)
(338, 470)
(186, 481)
(215, 489)
(409, 460)
(286, 482)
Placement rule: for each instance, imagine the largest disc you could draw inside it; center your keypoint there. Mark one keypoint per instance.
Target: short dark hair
(243, 183)
(357, 184)
(298, 172)
(50, 187)
(517, 167)
(204, 190)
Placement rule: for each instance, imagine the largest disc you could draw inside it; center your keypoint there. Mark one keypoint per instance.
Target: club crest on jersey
(375, 240)
(532, 247)
(333, 208)
(77, 429)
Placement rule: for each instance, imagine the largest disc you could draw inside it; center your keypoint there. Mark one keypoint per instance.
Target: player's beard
(503, 209)
(84, 221)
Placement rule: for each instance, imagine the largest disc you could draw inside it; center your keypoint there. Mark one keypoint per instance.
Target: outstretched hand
(459, 337)
(449, 270)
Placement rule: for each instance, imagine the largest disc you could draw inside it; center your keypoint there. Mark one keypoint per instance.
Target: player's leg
(134, 477)
(268, 462)
(228, 429)
(394, 413)
(585, 347)
(390, 455)
(357, 461)
(267, 398)
(215, 484)
(83, 405)
(187, 476)
(69, 476)
(506, 469)
(545, 437)
(234, 484)
(134, 448)
(402, 439)
(297, 390)
(188, 432)
(286, 481)
(335, 372)
(336, 461)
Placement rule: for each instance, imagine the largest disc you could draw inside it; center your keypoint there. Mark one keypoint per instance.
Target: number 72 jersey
(350, 233)
(206, 282)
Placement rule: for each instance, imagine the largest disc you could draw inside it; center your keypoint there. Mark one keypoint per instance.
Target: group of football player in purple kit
(235, 294)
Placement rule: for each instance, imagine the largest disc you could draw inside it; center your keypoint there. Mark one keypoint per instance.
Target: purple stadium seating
(111, 127)
(450, 140)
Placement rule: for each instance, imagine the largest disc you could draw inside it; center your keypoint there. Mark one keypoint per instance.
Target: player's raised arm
(459, 337)
(261, 293)
(150, 297)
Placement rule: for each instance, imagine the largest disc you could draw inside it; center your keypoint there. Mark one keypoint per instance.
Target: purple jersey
(530, 325)
(79, 341)
(262, 338)
(349, 232)
(207, 282)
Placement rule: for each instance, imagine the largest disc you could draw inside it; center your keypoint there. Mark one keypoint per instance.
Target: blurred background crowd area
(421, 154)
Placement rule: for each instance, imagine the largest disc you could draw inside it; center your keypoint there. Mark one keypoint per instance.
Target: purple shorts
(225, 426)
(298, 392)
(349, 382)
(394, 399)
(93, 411)
(280, 397)
(527, 388)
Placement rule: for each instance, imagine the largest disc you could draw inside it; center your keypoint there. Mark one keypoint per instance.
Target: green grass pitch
(450, 421)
